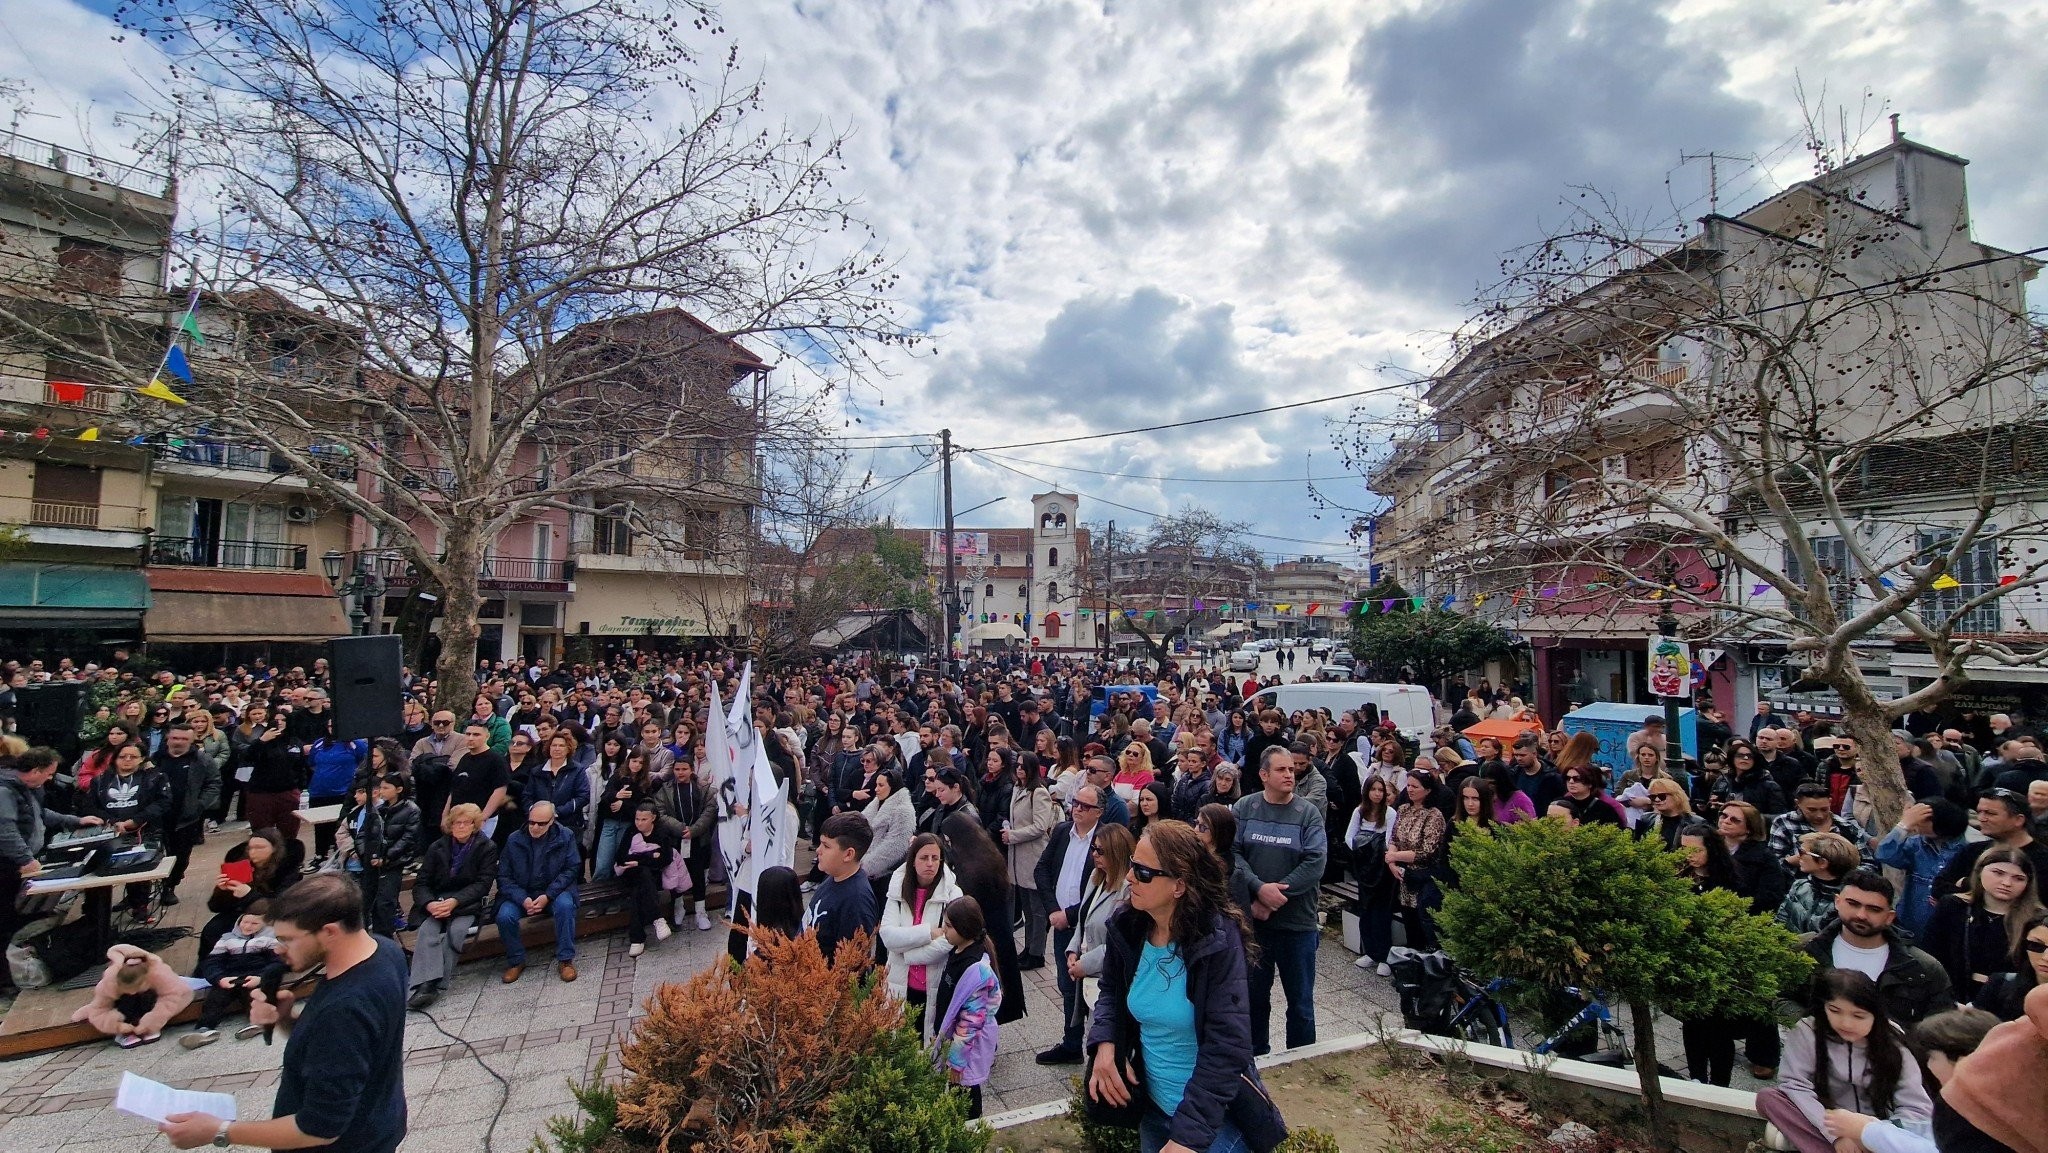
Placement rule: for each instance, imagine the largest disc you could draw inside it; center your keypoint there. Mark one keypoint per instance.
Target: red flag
(67, 392)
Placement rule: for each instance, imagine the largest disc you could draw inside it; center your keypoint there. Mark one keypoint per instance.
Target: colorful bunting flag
(1448, 598)
(1313, 606)
(89, 434)
(1286, 608)
(1150, 613)
(1480, 599)
(2007, 579)
(190, 325)
(1416, 603)
(1886, 582)
(67, 391)
(1759, 590)
(1945, 582)
(160, 391)
(174, 363)
(1198, 604)
(1548, 593)
(1346, 607)
(1517, 598)
(1387, 605)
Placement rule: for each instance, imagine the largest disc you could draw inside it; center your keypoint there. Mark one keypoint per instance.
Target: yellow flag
(1945, 581)
(1287, 608)
(89, 434)
(161, 391)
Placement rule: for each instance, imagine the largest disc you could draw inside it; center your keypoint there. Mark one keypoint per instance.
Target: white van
(1410, 707)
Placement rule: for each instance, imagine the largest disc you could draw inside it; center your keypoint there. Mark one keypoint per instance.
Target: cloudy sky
(1126, 213)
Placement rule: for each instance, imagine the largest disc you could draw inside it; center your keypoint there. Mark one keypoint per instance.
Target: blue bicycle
(1438, 997)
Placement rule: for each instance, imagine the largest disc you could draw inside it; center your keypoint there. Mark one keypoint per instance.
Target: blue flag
(176, 366)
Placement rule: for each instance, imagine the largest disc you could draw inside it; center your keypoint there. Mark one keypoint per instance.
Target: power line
(1348, 546)
(1173, 479)
(1199, 420)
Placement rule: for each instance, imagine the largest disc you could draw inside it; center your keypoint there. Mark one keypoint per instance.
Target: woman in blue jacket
(1172, 1023)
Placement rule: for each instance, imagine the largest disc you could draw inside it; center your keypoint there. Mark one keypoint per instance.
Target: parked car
(1319, 647)
(1410, 707)
(1246, 659)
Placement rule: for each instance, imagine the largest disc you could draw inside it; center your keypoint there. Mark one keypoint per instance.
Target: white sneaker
(1384, 971)
(679, 915)
(635, 949)
(661, 930)
(703, 920)
(1363, 962)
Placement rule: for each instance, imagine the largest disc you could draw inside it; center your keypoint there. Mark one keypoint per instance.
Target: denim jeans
(1156, 1129)
(562, 909)
(1289, 954)
(1072, 1025)
(610, 835)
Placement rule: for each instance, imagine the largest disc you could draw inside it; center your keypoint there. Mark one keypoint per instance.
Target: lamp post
(1667, 626)
(360, 591)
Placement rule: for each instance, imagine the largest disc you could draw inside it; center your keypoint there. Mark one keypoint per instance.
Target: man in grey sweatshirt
(25, 826)
(1280, 838)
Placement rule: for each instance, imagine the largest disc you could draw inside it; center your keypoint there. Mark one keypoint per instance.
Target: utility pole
(951, 593)
(1109, 593)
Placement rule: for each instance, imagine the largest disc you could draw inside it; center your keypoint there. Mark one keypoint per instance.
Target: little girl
(971, 994)
(1846, 1057)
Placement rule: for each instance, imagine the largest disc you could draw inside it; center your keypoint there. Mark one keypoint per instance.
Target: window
(83, 266)
(1976, 569)
(537, 616)
(1052, 591)
(989, 593)
(1833, 554)
(65, 496)
(1052, 558)
(610, 536)
(1023, 592)
(700, 533)
(543, 545)
(997, 560)
(708, 461)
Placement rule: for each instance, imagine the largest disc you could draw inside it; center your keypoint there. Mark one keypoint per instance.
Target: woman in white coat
(893, 818)
(912, 922)
(1033, 814)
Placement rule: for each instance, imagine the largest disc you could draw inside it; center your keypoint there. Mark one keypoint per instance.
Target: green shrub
(1098, 1138)
(1309, 1141)
(897, 1102)
(587, 1130)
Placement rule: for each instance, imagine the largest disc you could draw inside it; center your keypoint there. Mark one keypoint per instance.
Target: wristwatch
(220, 1139)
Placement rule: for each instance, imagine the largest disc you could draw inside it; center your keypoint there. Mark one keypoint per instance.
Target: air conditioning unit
(299, 513)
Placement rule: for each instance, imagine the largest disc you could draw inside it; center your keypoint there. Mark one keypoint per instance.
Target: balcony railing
(250, 458)
(211, 552)
(64, 514)
(496, 569)
(90, 399)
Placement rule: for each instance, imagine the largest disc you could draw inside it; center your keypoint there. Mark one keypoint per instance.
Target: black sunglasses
(1147, 873)
(538, 824)
(2037, 946)
(1077, 806)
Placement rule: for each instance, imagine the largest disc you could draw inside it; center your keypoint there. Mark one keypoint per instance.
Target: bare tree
(531, 237)
(1809, 425)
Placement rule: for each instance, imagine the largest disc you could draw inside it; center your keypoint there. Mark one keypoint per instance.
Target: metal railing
(64, 514)
(213, 552)
(495, 568)
(133, 177)
(250, 457)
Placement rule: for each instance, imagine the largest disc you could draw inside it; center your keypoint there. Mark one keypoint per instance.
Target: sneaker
(199, 1038)
(808, 887)
(1363, 962)
(635, 949)
(248, 1032)
(213, 826)
(661, 930)
(680, 915)
(1059, 1055)
(703, 921)
(1383, 970)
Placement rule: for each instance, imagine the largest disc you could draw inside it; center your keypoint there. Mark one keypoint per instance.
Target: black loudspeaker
(49, 714)
(368, 700)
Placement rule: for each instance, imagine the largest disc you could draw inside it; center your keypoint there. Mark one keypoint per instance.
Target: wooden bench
(601, 907)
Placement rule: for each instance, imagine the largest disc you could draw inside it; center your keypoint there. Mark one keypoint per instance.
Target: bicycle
(1481, 1018)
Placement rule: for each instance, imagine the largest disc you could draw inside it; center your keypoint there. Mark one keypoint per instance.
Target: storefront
(206, 617)
(80, 611)
(632, 612)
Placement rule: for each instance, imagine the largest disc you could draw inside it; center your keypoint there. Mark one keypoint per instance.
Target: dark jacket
(195, 787)
(695, 813)
(390, 834)
(551, 865)
(1760, 877)
(24, 822)
(1225, 1085)
(1913, 985)
(1761, 789)
(148, 805)
(281, 878)
(438, 880)
(274, 766)
(568, 791)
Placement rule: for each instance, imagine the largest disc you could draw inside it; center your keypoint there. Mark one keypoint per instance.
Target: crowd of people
(1157, 848)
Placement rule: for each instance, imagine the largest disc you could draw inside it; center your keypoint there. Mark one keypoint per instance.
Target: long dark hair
(779, 902)
(978, 865)
(266, 874)
(910, 885)
(1484, 788)
(1884, 1050)
(1719, 871)
(965, 915)
(1185, 856)
(1222, 829)
(2023, 969)
(1139, 821)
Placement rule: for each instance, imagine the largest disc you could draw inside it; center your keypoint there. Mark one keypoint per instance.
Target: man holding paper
(343, 1082)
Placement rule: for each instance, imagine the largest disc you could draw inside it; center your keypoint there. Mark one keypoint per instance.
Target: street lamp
(363, 588)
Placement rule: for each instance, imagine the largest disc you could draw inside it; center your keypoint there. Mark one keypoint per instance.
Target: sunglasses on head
(1147, 873)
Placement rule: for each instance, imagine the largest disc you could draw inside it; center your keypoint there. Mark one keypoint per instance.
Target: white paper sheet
(154, 1102)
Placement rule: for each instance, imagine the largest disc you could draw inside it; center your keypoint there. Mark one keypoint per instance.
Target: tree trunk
(462, 562)
(1644, 1020)
(1878, 772)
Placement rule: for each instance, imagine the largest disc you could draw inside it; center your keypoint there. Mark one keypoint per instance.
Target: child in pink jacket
(136, 997)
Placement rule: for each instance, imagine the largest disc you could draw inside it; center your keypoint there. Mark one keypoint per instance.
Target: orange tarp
(1502, 730)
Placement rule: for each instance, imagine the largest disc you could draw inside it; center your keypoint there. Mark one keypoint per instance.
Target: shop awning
(218, 606)
(73, 595)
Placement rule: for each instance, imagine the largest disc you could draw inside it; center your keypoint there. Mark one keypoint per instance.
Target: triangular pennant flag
(1346, 607)
(191, 327)
(1759, 590)
(1945, 581)
(1416, 603)
(1313, 606)
(89, 434)
(1130, 614)
(1887, 583)
(1517, 598)
(1286, 608)
(1387, 605)
(1480, 599)
(1448, 598)
(1150, 613)
(1251, 606)
(1548, 593)
(138, 440)
(67, 391)
(2007, 579)
(41, 434)
(161, 391)
(174, 363)
(1198, 604)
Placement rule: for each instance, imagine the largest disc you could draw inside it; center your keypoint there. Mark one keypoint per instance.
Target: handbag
(1125, 1116)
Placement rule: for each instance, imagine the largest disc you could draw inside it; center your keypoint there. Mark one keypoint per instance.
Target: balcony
(212, 457)
(499, 573)
(76, 524)
(64, 514)
(211, 552)
(643, 558)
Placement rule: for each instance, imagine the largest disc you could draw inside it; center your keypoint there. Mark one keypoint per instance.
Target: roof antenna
(1896, 134)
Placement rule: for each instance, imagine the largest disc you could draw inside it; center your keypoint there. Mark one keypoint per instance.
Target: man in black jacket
(1062, 874)
(195, 786)
(1911, 984)
(24, 825)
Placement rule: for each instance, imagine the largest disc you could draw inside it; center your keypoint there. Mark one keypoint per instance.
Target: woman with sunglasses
(2005, 994)
(1105, 892)
(1171, 1028)
(1134, 771)
(1670, 813)
(1585, 795)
